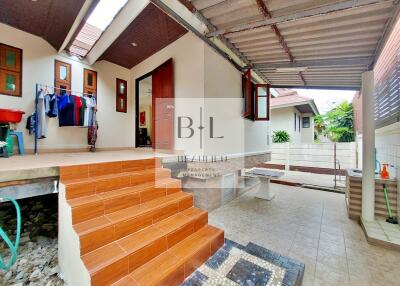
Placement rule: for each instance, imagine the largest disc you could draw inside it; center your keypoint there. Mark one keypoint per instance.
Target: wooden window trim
(247, 94)
(268, 96)
(91, 89)
(118, 96)
(57, 82)
(17, 71)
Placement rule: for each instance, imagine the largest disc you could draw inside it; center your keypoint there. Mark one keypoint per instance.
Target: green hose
(389, 209)
(13, 247)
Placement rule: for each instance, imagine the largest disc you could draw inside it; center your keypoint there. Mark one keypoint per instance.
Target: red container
(10, 115)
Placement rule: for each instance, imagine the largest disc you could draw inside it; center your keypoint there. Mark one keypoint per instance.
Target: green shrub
(280, 136)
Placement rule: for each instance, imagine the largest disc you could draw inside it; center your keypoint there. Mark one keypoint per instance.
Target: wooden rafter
(267, 15)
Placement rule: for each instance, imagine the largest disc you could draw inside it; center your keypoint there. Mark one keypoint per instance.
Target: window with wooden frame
(89, 82)
(10, 70)
(121, 95)
(62, 76)
(262, 102)
(247, 94)
(256, 99)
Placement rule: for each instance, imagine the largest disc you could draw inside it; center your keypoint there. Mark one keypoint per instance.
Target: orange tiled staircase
(129, 223)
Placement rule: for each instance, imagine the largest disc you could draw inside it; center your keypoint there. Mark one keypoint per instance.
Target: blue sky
(327, 99)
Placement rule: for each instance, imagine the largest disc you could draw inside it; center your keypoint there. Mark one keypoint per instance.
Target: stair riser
(101, 237)
(152, 250)
(90, 170)
(111, 273)
(106, 206)
(187, 261)
(81, 189)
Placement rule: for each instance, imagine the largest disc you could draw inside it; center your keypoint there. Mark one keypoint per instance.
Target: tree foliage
(337, 124)
(280, 136)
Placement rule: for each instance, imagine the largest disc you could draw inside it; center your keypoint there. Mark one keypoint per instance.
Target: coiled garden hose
(13, 247)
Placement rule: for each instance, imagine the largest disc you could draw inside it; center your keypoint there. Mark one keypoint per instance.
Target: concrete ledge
(376, 234)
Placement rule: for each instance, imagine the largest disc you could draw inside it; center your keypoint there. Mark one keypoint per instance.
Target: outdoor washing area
(199, 142)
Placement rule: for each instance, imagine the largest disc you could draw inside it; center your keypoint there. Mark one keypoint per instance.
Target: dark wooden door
(163, 106)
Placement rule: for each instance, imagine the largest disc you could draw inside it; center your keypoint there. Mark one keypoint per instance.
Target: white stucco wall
(201, 73)
(283, 119)
(224, 82)
(307, 134)
(38, 66)
(387, 144)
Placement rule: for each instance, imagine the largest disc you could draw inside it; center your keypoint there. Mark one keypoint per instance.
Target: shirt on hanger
(66, 108)
(78, 106)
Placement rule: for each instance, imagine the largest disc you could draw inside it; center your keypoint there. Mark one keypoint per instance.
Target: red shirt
(78, 106)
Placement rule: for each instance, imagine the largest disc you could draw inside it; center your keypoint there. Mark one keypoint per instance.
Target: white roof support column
(368, 149)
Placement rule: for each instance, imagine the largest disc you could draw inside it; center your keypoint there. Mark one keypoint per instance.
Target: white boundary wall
(319, 155)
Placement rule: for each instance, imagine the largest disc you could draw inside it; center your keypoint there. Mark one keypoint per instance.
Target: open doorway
(155, 108)
(144, 110)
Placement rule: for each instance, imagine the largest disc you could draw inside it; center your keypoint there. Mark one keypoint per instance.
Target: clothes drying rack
(38, 86)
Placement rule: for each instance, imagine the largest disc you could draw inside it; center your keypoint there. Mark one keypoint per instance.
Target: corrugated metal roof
(350, 33)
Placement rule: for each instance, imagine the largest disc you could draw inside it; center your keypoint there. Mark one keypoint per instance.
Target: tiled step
(99, 169)
(111, 262)
(97, 232)
(177, 263)
(81, 187)
(92, 206)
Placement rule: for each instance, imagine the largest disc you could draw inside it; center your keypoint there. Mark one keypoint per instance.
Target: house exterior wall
(38, 66)
(199, 73)
(223, 85)
(307, 134)
(205, 77)
(283, 119)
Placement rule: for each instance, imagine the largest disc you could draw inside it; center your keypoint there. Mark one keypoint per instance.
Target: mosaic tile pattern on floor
(312, 227)
(251, 265)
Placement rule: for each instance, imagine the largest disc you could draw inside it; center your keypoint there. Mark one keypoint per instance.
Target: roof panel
(49, 19)
(352, 33)
(151, 30)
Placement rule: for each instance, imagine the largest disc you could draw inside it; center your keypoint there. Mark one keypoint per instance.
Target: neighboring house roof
(289, 98)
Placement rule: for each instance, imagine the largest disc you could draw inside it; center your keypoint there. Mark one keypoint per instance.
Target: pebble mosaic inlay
(251, 265)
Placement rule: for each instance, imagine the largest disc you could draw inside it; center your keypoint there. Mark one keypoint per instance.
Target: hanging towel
(41, 109)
